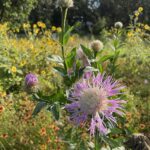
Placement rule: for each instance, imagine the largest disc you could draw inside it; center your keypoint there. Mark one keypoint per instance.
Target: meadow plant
(93, 97)
(91, 102)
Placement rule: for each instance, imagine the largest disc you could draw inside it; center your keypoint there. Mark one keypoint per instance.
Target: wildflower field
(60, 90)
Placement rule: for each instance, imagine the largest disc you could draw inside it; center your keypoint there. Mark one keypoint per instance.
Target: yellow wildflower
(26, 25)
(146, 27)
(41, 24)
(43, 147)
(32, 46)
(13, 69)
(36, 31)
(130, 34)
(43, 72)
(54, 28)
(22, 63)
(47, 33)
(30, 33)
(140, 9)
(3, 94)
(34, 26)
(137, 13)
(17, 30)
(71, 38)
(59, 29)
(138, 30)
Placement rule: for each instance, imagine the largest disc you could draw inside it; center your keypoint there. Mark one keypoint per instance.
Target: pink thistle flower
(92, 99)
(31, 80)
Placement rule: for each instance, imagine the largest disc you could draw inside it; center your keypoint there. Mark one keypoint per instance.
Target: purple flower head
(31, 80)
(93, 99)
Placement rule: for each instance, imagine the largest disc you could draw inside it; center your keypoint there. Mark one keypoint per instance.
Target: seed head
(97, 45)
(65, 3)
(118, 25)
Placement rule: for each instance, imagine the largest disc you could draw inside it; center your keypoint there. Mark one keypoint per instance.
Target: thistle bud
(118, 25)
(97, 45)
(65, 3)
(31, 82)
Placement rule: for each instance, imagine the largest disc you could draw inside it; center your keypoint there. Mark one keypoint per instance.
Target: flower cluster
(94, 98)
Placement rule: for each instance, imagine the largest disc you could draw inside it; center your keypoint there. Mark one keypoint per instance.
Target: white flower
(65, 3)
(118, 25)
(97, 45)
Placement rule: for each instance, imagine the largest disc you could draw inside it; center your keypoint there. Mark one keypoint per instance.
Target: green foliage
(16, 12)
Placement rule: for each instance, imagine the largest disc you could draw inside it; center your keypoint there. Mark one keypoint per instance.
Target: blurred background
(93, 14)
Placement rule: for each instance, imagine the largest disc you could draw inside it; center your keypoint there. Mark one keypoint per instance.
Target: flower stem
(97, 143)
(64, 17)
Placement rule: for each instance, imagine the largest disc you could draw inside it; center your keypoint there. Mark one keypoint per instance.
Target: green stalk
(64, 17)
(97, 143)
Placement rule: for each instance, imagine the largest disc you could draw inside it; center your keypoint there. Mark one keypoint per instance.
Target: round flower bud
(65, 3)
(118, 25)
(31, 82)
(97, 45)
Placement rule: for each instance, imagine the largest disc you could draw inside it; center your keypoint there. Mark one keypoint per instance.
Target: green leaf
(55, 58)
(60, 70)
(38, 108)
(99, 66)
(116, 131)
(105, 58)
(55, 109)
(90, 69)
(71, 58)
(67, 35)
(87, 51)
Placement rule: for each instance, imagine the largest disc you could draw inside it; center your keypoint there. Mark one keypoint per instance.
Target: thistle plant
(90, 98)
(64, 5)
(92, 102)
